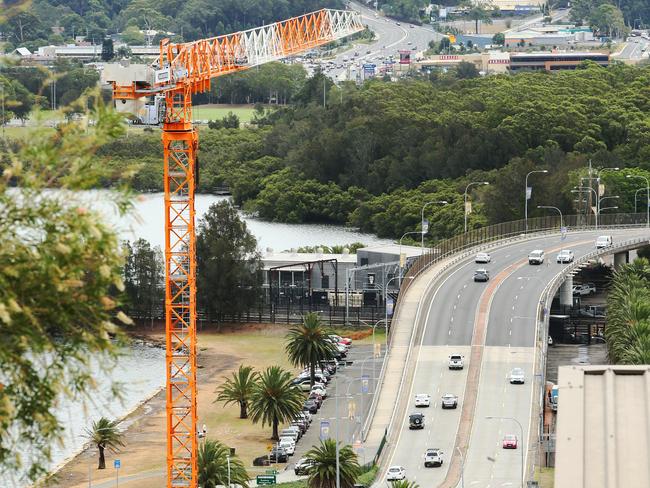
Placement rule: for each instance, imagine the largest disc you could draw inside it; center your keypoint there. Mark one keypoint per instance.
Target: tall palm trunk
(312, 368)
(275, 435)
(102, 459)
(243, 412)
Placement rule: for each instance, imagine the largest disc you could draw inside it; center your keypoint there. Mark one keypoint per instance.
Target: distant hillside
(57, 21)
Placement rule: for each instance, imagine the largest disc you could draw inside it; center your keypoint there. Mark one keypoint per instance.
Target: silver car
(449, 401)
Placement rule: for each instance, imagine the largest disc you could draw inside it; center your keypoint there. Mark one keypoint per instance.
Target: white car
(517, 376)
(320, 390)
(456, 361)
(482, 257)
(565, 256)
(603, 241)
(422, 400)
(536, 257)
(395, 473)
(288, 444)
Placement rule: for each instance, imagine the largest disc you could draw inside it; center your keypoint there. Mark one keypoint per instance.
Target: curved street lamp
(554, 208)
(465, 198)
(647, 205)
(526, 197)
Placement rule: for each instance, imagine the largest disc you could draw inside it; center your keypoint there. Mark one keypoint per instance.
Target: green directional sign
(271, 471)
(265, 479)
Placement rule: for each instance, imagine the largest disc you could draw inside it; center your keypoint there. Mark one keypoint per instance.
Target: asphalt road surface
(635, 49)
(390, 39)
(509, 343)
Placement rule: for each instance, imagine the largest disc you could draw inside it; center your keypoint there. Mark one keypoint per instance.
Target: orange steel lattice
(180, 71)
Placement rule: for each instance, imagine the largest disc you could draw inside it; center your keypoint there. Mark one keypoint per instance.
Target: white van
(536, 257)
(603, 241)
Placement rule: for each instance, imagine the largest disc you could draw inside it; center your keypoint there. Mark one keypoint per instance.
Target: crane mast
(180, 71)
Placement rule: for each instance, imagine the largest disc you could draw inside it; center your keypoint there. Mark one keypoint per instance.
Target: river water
(141, 369)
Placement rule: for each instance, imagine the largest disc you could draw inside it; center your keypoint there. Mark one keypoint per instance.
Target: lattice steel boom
(180, 71)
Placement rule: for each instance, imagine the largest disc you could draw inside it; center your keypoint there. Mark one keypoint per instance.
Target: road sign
(425, 226)
(271, 471)
(117, 464)
(265, 479)
(324, 430)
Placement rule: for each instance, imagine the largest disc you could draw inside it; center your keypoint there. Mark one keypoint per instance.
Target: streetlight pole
(555, 208)
(373, 346)
(582, 189)
(228, 461)
(386, 305)
(465, 198)
(441, 202)
(636, 194)
(647, 203)
(521, 433)
(400, 252)
(526, 197)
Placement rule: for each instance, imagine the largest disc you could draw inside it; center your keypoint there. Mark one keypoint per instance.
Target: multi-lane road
(497, 319)
(390, 37)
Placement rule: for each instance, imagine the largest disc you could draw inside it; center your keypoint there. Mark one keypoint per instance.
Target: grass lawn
(545, 477)
(214, 112)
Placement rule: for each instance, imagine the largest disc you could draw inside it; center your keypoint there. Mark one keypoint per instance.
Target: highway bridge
(496, 326)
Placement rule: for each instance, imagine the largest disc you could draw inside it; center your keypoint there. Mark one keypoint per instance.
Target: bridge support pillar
(566, 292)
(621, 258)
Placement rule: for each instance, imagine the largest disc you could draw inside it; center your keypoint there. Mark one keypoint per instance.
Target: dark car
(416, 421)
(481, 275)
(317, 398)
(311, 406)
(303, 466)
(261, 461)
(278, 455)
(301, 425)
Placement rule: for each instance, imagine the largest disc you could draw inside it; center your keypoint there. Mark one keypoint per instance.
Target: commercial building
(603, 427)
(555, 61)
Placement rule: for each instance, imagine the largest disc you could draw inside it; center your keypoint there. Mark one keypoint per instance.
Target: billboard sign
(405, 57)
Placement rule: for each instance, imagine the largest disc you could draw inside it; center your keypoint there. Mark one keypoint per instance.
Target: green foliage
(628, 314)
(108, 50)
(238, 389)
(499, 39)
(143, 279)
(367, 478)
(404, 484)
(336, 249)
(31, 24)
(307, 344)
(228, 263)
(275, 399)
(608, 18)
(60, 266)
(408, 10)
(230, 121)
(214, 466)
(323, 473)
(105, 434)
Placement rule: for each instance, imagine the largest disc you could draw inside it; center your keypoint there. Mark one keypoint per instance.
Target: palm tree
(105, 434)
(404, 484)
(323, 473)
(307, 344)
(275, 399)
(238, 389)
(213, 466)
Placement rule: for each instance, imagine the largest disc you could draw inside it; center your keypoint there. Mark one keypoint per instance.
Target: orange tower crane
(180, 71)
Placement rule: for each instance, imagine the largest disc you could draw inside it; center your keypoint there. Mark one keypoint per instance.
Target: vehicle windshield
(517, 371)
(510, 438)
(455, 358)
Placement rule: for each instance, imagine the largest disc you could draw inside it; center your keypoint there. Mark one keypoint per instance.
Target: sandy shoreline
(143, 457)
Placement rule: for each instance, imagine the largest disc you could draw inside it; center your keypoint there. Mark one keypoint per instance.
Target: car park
(481, 275)
(510, 441)
(517, 376)
(422, 400)
(449, 401)
(482, 257)
(278, 455)
(395, 473)
(603, 241)
(320, 390)
(288, 444)
(536, 257)
(565, 256)
(432, 458)
(456, 361)
(303, 466)
(416, 421)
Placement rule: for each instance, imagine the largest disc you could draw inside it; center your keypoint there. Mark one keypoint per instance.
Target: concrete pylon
(566, 292)
(621, 258)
